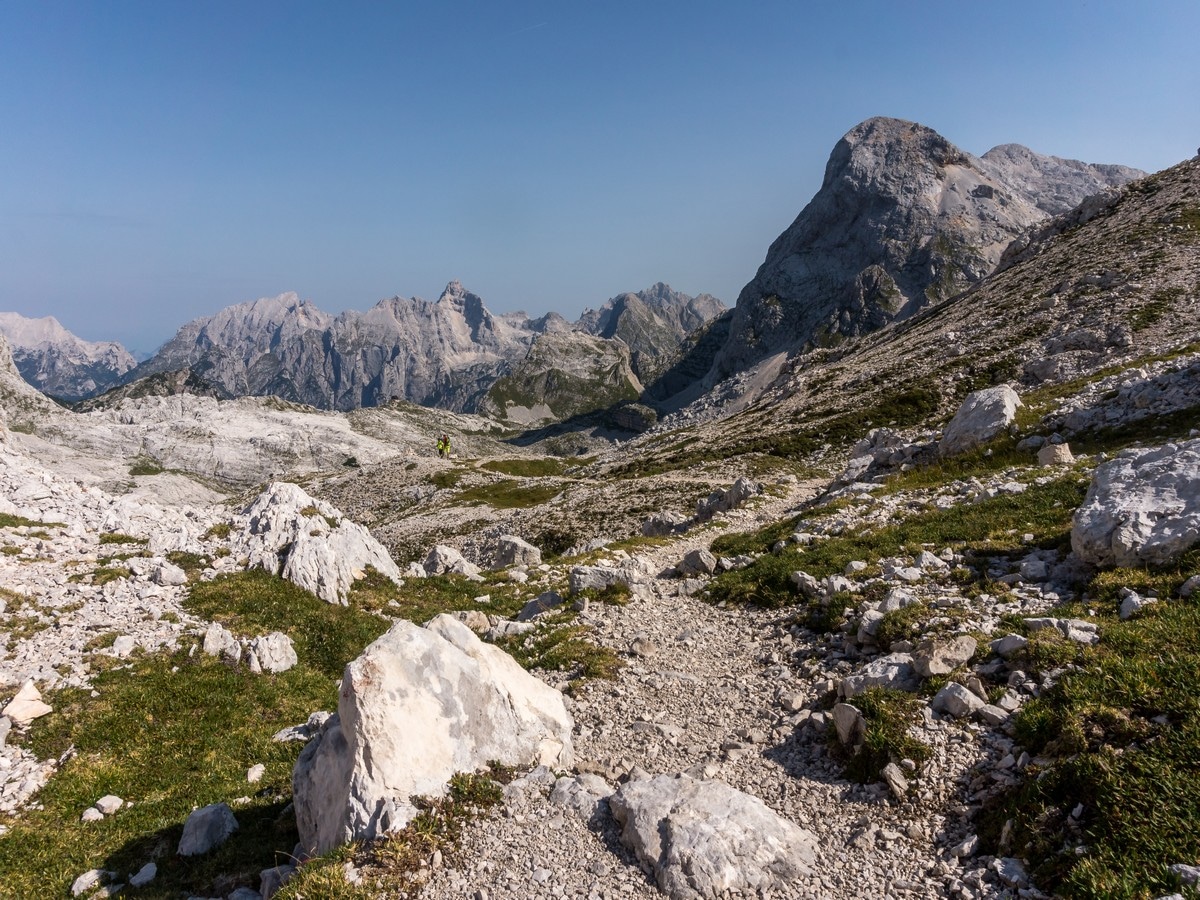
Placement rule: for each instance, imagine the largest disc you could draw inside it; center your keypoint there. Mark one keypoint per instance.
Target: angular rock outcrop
(57, 362)
(309, 543)
(515, 551)
(419, 705)
(1142, 508)
(700, 839)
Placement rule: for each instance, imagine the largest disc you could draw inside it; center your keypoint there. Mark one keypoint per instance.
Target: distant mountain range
(903, 219)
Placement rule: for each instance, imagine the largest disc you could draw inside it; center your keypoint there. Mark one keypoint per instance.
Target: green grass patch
(995, 526)
(559, 645)
(526, 468)
(509, 494)
(220, 531)
(8, 520)
(169, 735)
(145, 465)
(447, 479)
(326, 636)
(888, 715)
(1124, 729)
(423, 598)
(116, 537)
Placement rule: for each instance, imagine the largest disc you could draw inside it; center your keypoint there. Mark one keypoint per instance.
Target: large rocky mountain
(445, 353)
(60, 364)
(903, 219)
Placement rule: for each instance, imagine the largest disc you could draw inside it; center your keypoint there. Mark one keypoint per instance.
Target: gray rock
(895, 780)
(1142, 508)
(849, 722)
(983, 415)
(273, 879)
(993, 715)
(219, 641)
(700, 839)
(274, 652)
(514, 551)
(109, 804)
(419, 705)
(697, 562)
(1133, 603)
(167, 573)
(665, 523)
(91, 814)
(90, 880)
(956, 700)
(892, 671)
(1055, 455)
(941, 657)
(1009, 645)
(144, 875)
(206, 828)
(540, 604)
(724, 500)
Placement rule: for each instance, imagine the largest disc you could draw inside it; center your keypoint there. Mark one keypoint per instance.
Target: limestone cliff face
(652, 323)
(903, 219)
(446, 353)
(57, 362)
(439, 353)
(564, 374)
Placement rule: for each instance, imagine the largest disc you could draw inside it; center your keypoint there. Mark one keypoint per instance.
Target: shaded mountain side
(903, 219)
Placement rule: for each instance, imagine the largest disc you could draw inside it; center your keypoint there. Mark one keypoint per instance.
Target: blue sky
(162, 160)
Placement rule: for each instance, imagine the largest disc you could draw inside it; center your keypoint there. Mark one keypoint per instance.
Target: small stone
(255, 773)
(206, 828)
(144, 875)
(895, 780)
(91, 814)
(109, 804)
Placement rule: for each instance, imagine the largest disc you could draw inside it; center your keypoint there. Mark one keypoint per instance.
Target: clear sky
(162, 160)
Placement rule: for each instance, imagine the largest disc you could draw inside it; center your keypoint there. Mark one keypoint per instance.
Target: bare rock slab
(700, 839)
(1143, 507)
(27, 705)
(419, 705)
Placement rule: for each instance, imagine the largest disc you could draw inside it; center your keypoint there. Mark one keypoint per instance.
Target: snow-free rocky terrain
(818, 634)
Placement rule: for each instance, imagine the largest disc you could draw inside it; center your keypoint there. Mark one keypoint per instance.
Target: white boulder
(514, 551)
(1143, 507)
(272, 653)
(982, 416)
(701, 839)
(419, 705)
(309, 543)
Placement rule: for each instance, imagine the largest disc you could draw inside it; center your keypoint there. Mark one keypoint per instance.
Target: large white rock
(700, 839)
(309, 543)
(1143, 507)
(982, 416)
(419, 705)
(514, 551)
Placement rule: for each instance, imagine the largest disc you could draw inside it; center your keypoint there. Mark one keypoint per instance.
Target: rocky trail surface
(717, 693)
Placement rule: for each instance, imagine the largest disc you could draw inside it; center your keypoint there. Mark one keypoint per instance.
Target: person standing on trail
(441, 446)
(446, 445)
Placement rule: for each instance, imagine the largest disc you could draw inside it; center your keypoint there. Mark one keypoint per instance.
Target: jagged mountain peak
(59, 363)
(903, 219)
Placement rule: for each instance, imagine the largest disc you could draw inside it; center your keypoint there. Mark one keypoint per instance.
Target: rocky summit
(903, 219)
(911, 613)
(59, 363)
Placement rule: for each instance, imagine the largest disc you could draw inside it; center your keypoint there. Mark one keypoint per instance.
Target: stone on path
(419, 705)
(941, 657)
(206, 828)
(956, 700)
(697, 562)
(444, 560)
(1055, 455)
(700, 839)
(892, 671)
